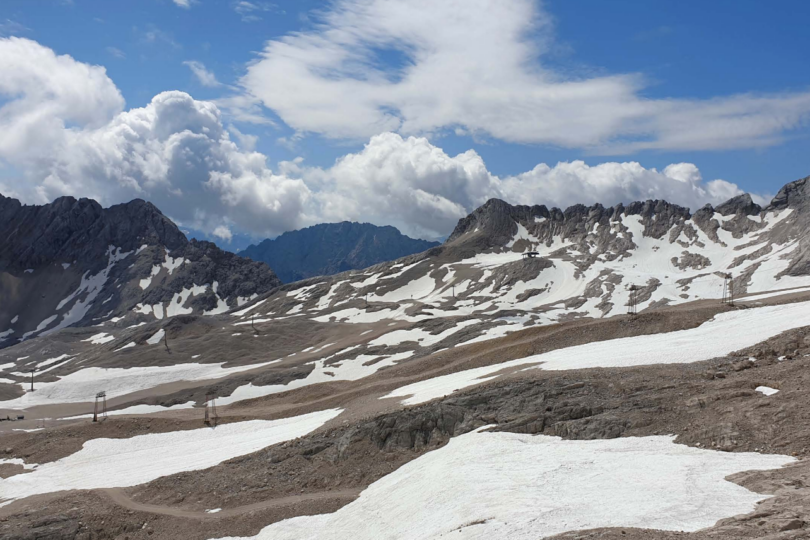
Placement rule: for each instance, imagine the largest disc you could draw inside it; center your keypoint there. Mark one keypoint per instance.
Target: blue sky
(722, 86)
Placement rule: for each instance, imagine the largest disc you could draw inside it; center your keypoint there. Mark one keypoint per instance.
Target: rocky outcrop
(741, 204)
(792, 195)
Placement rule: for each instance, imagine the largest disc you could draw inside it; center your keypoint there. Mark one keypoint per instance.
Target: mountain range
(589, 261)
(331, 248)
(73, 262)
(339, 385)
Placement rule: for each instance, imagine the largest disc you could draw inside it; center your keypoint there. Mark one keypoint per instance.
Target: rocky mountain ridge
(331, 248)
(73, 262)
(587, 261)
(479, 284)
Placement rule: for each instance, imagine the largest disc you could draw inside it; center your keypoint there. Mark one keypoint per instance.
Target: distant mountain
(330, 248)
(73, 262)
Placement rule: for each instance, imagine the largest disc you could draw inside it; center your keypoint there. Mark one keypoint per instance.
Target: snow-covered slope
(477, 286)
(587, 259)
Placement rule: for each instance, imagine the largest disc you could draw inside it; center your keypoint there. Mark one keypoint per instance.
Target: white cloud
(243, 108)
(46, 92)
(154, 36)
(223, 232)
(116, 52)
(206, 77)
(65, 128)
(479, 65)
(416, 186)
(246, 141)
(186, 4)
(9, 27)
(249, 10)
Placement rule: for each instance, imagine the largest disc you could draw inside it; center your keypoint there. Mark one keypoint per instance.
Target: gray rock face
(73, 262)
(792, 195)
(70, 230)
(741, 204)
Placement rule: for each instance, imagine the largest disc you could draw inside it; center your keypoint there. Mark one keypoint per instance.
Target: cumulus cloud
(478, 65)
(416, 186)
(223, 232)
(206, 78)
(63, 125)
(44, 93)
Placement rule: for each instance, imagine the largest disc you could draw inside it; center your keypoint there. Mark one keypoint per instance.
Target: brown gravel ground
(712, 404)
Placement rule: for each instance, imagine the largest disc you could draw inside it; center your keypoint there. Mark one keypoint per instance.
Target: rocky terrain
(73, 262)
(332, 248)
(469, 391)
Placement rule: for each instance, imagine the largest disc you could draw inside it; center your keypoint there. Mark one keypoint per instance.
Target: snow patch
(82, 385)
(99, 339)
(725, 333)
(156, 337)
(108, 463)
(506, 485)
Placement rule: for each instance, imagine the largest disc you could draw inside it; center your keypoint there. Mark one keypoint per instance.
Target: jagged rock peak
(792, 195)
(70, 229)
(741, 204)
(497, 218)
(73, 262)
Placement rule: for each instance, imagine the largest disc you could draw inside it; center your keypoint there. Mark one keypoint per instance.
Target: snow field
(51, 361)
(156, 337)
(107, 463)
(505, 485)
(18, 461)
(415, 289)
(346, 370)
(248, 309)
(100, 339)
(90, 287)
(651, 259)
(139, 409)
(222, 305)
(82, 386)
(424, 338)
(763, 296)
(145, 282)
(176, 306)
(361, 316)
(725, 333)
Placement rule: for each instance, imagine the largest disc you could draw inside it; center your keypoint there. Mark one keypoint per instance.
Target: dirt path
(119, 497)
